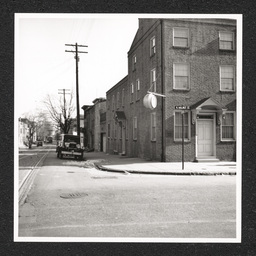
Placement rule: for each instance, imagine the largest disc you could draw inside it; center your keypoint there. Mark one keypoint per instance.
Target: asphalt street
(71, 198)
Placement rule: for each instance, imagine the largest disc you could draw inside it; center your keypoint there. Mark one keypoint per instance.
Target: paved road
(101, 204)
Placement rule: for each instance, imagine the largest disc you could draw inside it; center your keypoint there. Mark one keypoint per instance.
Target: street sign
(182, 148)
(182, 107)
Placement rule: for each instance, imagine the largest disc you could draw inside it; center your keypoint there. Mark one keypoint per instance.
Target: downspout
(163, 155)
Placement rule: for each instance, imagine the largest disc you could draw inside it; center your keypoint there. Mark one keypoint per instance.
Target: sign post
(183, 108)
(182, 115)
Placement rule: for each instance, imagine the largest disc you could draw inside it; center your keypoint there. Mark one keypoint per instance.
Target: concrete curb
(188, 173)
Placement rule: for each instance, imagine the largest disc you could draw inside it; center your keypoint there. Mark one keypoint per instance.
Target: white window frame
(180, 28)
(234, 127)
(137, 89)
(113, 102)
(135, 128)
(174, 76)
(134, 62)
(112, 129)
(234, 83)
(188, 127)
(153, 80)
(152, 46)
(123, 97)
(115, 130)
(132, 92)
(117, 100)
(233, 40)
(126, 130)
(153, 126)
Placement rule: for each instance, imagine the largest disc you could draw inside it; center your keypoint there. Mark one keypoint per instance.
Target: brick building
(95, 125)
(193, 63)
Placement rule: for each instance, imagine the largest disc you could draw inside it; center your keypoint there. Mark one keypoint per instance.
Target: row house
(95, 125)
(192, 63)
(23, 132)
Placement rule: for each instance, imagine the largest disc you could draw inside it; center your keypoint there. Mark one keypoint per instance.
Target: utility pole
(77, 88)
(63, 91)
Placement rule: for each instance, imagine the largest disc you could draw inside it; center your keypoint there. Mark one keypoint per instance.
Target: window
(135, 128)
(117, 100)
(226, 41)
(108, 102)
(115, 128)
(108, 130)
(126, 130)
(152, 46)
(112, 130)
(132, 92)
(153, 126)
(113, 102)
(123, 97)
(134, 61)
(181, 76)
(228, 126)
(153, 80)
(137, 89)
(180, 37)
(178, 126)
(227, 78)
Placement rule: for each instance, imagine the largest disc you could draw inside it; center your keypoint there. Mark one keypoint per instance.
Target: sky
(43, 67)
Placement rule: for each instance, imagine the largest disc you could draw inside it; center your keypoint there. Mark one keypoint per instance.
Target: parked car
(69, 145)
(39, 143)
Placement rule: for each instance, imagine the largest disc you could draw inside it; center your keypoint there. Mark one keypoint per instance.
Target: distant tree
(61, 111)
(44, 126)
(34, 122)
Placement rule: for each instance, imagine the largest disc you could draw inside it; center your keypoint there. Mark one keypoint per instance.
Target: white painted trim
(234, 130)
(184, 63)
(211, 113)
(181, 28)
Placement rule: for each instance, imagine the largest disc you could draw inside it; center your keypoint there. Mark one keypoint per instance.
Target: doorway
(205, 142)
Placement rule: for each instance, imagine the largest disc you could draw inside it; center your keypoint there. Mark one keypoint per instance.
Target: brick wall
(204, 59)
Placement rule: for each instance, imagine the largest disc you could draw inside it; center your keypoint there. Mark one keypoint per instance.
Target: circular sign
(150, 101)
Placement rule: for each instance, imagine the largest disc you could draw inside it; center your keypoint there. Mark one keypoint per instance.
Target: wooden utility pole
(63, 91)
(77, 87)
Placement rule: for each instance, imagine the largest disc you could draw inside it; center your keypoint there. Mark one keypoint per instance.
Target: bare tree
(44, 127)
(60, 111)
(34, 122)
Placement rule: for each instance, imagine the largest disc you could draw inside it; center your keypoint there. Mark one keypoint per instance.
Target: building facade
(95, 125)
(23, 133)
(192, 62)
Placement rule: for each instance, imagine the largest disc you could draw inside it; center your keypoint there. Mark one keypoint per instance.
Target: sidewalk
(117, 163)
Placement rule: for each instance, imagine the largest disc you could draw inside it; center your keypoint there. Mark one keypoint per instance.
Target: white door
(205, 137)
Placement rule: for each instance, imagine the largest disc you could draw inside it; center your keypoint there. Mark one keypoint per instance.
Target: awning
(208, 104)
(120, 115)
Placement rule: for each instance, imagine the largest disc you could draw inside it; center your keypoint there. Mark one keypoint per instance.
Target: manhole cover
(70, 172)
(108, 177)
(73, 195)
